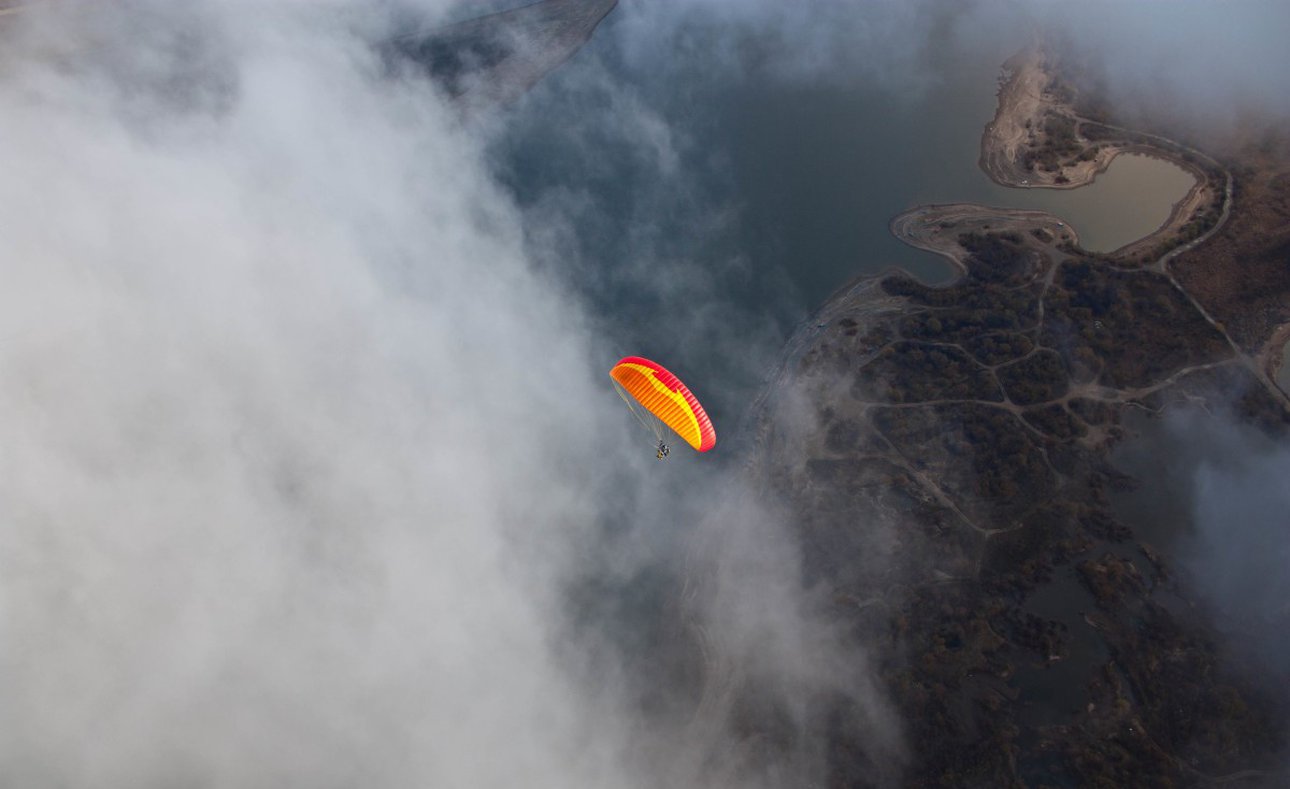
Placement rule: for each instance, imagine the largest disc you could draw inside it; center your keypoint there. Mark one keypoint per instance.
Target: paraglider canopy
(662, 403)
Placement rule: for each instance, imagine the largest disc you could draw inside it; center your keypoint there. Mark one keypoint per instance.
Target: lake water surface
(702, 212)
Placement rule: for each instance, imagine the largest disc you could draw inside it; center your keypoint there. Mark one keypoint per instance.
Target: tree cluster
(1037, 378)
(913, 372)
(995, 349)
(1132, 326)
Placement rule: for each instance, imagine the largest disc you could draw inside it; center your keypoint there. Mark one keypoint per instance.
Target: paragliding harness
(649, 421)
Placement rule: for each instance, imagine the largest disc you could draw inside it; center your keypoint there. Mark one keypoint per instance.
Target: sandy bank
(1031, 105)
(936, 228)
(1038, 140)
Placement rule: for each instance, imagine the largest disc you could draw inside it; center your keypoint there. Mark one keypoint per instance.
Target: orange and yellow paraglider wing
(663, 395)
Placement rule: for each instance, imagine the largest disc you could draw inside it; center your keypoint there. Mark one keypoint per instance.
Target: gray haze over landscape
(311, 470)
(304, 460)
(716, 168)
(1213, 494)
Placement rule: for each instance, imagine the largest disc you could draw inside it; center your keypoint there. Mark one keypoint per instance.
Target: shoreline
(1013, 140)
(976, 415)
(1025, 102)
(935, 228)
(1195, 218)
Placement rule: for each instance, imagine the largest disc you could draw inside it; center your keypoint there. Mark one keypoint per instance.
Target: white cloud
(282, 407)
(299, 454)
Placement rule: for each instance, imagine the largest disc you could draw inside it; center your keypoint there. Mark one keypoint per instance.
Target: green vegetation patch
(914, 372)
(1120, 756)
(1045, 638)
(1102, 525)
(1133, 328)
(1186, 703)
(1111, 580)
(993, 464)
(995, 349)
(1023, 557)
(1060, 144)
(950, 694)
(997, 258)
(976, 310)
(1038, 378)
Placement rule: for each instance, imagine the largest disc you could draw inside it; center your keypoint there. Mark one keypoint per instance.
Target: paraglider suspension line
(648, 421)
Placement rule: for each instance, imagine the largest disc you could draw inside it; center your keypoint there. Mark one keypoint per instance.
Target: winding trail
(859, 321)
(1021, 101)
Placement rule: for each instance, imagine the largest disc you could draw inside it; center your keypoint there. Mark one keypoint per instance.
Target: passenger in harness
(662, 450)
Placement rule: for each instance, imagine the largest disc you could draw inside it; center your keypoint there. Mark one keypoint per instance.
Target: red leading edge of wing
(707, 434)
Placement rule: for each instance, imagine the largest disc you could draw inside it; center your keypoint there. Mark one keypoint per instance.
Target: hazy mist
(1210, 494)
(311, 471)
(309, 463)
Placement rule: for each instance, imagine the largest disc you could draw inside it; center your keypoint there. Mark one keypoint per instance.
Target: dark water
(1051, 692)
(702, 211)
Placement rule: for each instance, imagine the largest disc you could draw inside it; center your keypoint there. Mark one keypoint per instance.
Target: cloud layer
(310, 473)
(308, 466)
(275, 445)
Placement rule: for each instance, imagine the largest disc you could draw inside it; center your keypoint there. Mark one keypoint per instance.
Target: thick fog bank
(307, 464)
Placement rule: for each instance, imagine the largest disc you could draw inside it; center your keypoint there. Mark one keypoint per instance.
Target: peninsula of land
(950, 486)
